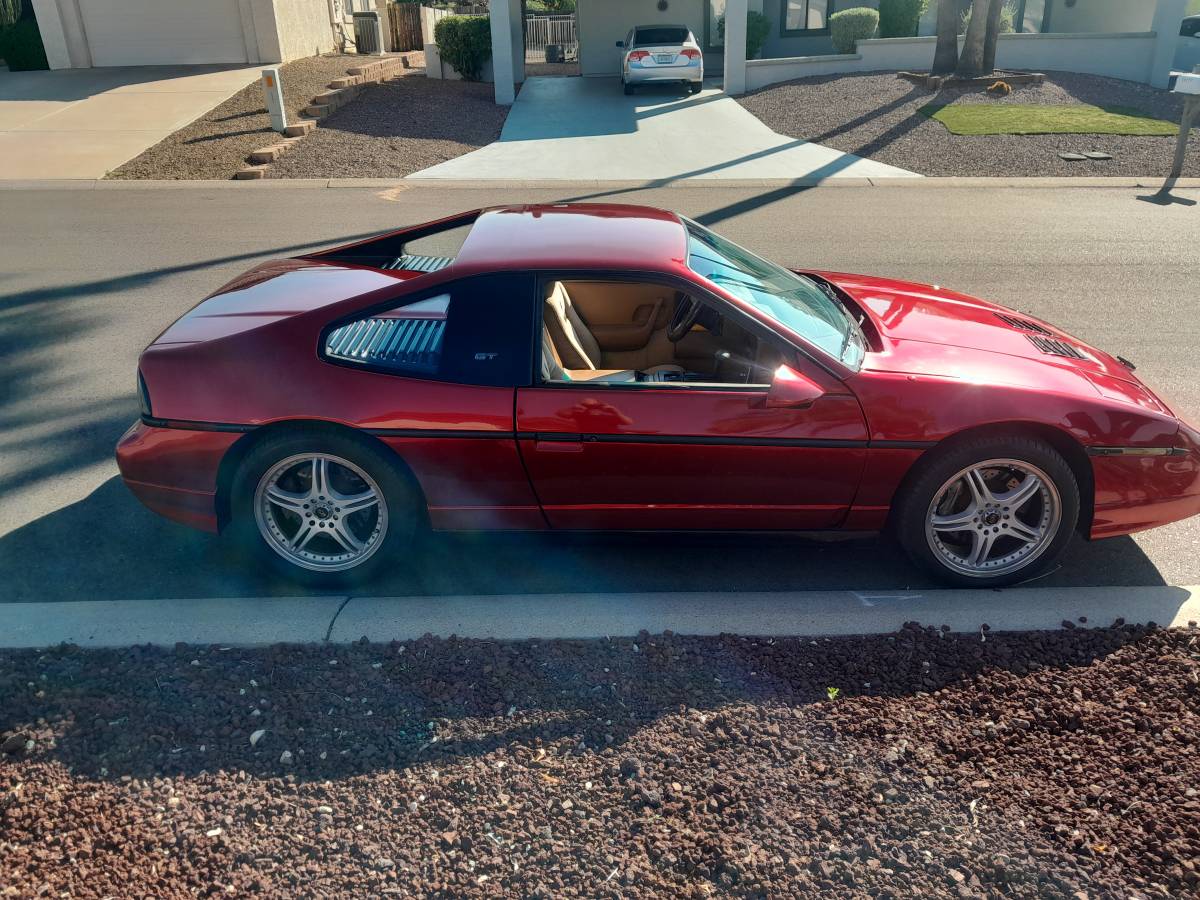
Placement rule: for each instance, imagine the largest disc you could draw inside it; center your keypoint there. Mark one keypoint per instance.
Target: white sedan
(656, 53)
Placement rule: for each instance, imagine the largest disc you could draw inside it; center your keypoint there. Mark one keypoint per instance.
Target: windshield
(788, 298)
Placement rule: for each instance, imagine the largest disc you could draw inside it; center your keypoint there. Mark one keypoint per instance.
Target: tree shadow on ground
(348, 710)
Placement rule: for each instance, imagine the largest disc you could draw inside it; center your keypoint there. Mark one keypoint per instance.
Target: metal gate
(551, 31)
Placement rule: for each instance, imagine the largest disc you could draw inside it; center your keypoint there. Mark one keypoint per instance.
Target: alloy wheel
(993, 517)
(320, 512)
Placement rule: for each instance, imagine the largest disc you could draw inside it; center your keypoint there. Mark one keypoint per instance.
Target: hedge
(465, 42)
(758, 29)
(849, 26)
(21, 47)
(899, 18)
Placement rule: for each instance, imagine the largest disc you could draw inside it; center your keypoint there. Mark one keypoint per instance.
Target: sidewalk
(340, 619)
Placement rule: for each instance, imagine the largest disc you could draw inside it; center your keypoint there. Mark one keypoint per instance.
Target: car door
(684, 455)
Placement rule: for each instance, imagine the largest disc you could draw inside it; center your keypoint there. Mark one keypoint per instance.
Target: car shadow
(108, 547)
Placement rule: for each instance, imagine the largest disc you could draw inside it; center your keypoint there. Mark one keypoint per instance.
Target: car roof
(574, 236)
(663, 25)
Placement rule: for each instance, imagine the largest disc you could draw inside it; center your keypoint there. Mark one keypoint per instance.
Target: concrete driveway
(586, 128)
(82, 123)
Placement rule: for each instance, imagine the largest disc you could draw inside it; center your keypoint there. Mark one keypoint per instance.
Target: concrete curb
(259, 621)
(86, 184)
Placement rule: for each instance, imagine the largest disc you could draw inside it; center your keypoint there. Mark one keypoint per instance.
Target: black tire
(628, 88)
(401, 497)
(913, 506)
(695, 88)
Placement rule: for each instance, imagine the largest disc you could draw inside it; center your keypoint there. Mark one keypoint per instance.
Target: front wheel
(989, 512)
(322, 508)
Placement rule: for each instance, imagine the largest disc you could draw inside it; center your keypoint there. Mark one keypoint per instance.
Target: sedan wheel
(320, 512)
(987, 512)
(993, 517)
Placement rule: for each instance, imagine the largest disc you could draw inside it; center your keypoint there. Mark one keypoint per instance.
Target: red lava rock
(1057, 764)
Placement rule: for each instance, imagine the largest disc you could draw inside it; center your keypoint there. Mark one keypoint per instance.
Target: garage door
(163, 32)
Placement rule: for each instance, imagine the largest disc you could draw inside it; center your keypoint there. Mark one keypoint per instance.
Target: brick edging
(339, 92)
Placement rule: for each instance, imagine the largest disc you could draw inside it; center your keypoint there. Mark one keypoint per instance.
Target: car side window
(474, 331)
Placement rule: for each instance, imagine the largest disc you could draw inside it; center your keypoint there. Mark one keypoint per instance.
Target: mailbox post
(274, 94)
(1189, 86)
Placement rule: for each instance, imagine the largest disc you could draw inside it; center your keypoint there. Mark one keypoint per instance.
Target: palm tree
(970, 61)
(993, 32)
(945, 58)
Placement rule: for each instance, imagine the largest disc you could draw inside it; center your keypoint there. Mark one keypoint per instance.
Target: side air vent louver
(1056, 348)
(419, 263)
(406, 344)
(1024, 324)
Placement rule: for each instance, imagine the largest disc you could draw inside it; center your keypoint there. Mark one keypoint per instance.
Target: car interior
(618, 332)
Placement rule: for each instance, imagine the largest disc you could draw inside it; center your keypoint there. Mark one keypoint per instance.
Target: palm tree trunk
(970, 62)
(993, 32)
(945, 58)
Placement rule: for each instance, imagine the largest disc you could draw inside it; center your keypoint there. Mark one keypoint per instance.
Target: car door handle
(558, 443)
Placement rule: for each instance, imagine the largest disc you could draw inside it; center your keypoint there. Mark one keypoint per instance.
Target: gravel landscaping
(876, 115)
(922, 763)
(396, 128)
(216, 145)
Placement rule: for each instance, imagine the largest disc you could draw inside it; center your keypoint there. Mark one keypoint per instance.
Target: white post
(273, 91)
(1168, 15)
(500, 15)
(735, 46)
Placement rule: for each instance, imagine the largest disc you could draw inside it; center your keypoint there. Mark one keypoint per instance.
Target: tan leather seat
(552, 367)
(576, 348)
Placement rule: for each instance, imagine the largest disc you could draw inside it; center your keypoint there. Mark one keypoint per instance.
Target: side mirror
(620, 43)
(791, 390)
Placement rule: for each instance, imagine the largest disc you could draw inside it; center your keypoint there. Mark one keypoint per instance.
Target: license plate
(664, 57)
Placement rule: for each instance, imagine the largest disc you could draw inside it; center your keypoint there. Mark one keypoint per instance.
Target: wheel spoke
(959, 521)
(287, 499)
(353, 503)
(978, 487)
(1021, 494)
(341, 533)
(1030, 534)
(320, 476)
(300, 539)
(981, 548)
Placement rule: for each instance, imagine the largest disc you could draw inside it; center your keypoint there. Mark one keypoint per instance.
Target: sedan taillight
(638, 55)
(690, 53)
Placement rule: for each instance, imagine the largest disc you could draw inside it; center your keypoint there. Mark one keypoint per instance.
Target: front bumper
(1135, 492)
(173, 471)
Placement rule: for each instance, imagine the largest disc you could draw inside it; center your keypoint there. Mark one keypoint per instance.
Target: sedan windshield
(790, 299)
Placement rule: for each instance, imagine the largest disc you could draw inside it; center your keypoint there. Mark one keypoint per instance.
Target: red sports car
(617, 367)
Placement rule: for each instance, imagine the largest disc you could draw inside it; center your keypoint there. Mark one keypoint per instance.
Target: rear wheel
(989, 512)
(695, 87)
(628, 88)
(322, 508)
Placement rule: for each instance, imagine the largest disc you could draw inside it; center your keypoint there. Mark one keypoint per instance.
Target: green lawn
(1013, 118)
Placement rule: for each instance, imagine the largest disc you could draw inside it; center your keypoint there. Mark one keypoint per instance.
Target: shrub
(21, 47)
(850, 26)
(465, 42)
(899, 18)
(758, 28)
(10, 11)
(1008, 18)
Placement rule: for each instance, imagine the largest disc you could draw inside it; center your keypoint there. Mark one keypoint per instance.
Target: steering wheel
(687, 310)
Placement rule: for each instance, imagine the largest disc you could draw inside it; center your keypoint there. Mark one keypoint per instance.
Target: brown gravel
(875, 115)
(396, 128)
(216, 145)
(1021, 765)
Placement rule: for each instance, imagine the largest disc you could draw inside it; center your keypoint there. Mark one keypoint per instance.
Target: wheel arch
(1068, 447)
(232, 460)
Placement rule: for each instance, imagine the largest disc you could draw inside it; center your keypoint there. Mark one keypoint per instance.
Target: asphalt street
(89, 277)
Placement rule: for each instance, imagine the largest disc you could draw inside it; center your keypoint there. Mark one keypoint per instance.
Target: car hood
(935, 331)
(272, 291)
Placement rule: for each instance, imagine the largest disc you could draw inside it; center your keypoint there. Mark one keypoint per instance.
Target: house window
(806, 16)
